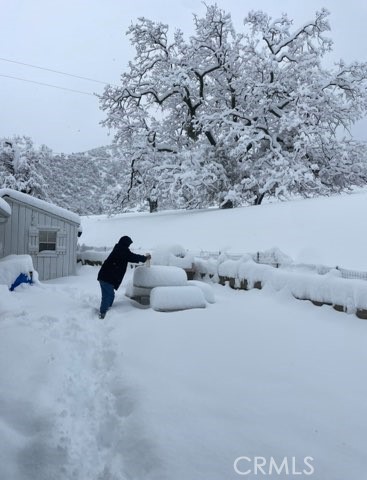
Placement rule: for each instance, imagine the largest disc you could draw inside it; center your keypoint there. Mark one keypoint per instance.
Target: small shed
(49, 234)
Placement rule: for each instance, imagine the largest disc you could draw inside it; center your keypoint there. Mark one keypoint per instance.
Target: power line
(57, 71)
(47, 85)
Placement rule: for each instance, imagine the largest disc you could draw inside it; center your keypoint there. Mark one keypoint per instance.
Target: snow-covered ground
(329, 230)
(183, 395)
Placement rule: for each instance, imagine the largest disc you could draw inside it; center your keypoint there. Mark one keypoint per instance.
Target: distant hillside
(85, 182)
(108, 180)
(81, 181)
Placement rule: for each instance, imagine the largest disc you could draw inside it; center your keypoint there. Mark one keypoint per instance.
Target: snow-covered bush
(207, 267)
(228, 267)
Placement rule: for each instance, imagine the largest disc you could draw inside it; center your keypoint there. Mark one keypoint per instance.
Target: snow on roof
(40, 204)
(5, 209)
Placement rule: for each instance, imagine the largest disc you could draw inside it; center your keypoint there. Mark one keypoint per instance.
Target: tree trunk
(227, 204)
(153, 205)
(259, 199)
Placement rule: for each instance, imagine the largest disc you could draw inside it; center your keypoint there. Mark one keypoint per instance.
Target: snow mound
(174, 255)
(7, 301)
(275, 256)
(205, 288)
(93, 256)
(206, 266)
(131, 291)
(159, 276)
(168, 299)
(13, 265)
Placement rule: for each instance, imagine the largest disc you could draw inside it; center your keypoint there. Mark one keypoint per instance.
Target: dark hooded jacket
(114, 267)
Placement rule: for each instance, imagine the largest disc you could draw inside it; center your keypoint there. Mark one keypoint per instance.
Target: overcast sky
(87, 38)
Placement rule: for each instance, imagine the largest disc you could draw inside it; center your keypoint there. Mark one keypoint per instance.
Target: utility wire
(47, 85)
(57, 71)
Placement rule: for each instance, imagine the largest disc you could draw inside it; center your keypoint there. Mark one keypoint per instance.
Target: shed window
(47, 240)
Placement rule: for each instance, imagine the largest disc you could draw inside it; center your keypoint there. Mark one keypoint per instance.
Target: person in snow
(113, 270)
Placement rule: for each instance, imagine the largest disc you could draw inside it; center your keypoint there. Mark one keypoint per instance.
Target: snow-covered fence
(277, 259)
(352, 274)
(172, 255)
(88, 255)
(345, 290)
(321, 286)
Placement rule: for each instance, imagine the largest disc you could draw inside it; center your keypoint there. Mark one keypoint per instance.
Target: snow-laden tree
(87, 182)
(228, 118)
(22, 166)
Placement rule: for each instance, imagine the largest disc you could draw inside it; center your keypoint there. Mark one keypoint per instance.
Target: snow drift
(14, 265)
(168, 299)
(159, 276)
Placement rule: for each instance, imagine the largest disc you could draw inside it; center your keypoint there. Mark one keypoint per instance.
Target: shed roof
(5, 210)
(40, 204)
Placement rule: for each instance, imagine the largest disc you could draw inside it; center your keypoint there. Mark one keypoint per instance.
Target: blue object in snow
(22, 278)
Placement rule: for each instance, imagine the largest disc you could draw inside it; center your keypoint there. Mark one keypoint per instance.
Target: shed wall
(15, 239)
(2, 236)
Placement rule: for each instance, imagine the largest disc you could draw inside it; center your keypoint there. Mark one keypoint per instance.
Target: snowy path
(75, 421)
(146, 395)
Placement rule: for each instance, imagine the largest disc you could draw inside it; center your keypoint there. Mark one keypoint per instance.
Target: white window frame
(34, 241)
(50, 242)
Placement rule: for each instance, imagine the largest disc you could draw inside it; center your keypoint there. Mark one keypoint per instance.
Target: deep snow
(328, 230)
(181, 395)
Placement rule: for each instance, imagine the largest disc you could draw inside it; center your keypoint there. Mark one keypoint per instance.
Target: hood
(125, 241)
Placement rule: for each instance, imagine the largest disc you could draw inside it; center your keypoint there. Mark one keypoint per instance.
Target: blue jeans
(108, 296)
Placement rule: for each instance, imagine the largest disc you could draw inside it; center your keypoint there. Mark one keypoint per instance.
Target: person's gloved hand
(148, 255)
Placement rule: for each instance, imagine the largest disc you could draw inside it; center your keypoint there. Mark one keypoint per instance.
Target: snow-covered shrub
(207, 267)
(228, 267)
